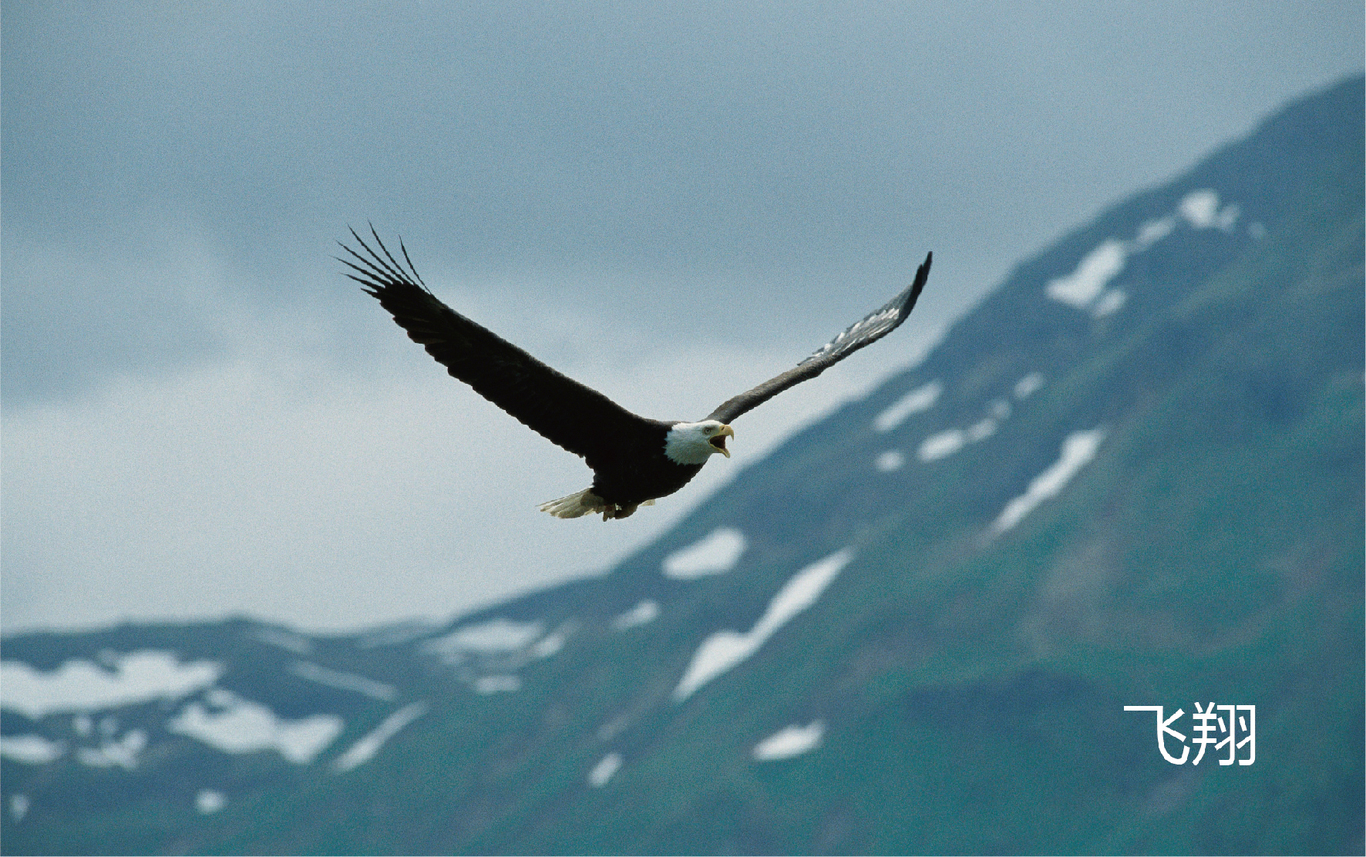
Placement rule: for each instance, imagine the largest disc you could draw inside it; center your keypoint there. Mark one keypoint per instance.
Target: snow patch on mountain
(236, 725)
(941, 444)
(549, 645)
(982, 429)
(1110, 302)
(487, 685)
(1026, 386)
(30, 749)
(487, 655)
(365, 749)
(922, 398)
(715, 554)
(1096, 269)
(724, 649)
(344, 681)
(110, 753)
(493, 636)
(79, 685)
(642, 614)
(1077, 450)
(209, 801)
(791, 741)
(944, 443)
(1153, 231)
(1086, 287)
(604, 770)
(1201, 209)
(892, 459)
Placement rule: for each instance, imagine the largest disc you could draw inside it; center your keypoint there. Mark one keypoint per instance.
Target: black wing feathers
(576, 417)
(864, 332)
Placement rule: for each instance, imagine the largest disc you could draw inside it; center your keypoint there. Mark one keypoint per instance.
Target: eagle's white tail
(576, 505)
(585, 502)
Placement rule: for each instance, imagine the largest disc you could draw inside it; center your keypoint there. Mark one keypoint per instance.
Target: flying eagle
(635, 460)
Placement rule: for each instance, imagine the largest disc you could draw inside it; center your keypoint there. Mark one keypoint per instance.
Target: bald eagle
(635, 460)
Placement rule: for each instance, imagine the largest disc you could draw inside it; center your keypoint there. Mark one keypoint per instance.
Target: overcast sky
(669, 201)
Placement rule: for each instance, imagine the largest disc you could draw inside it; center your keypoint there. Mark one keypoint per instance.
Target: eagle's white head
(694, 443)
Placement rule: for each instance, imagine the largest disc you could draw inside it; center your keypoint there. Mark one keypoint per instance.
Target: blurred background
(670, 202)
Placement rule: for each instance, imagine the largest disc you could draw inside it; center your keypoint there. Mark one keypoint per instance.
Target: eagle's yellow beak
(719, 439)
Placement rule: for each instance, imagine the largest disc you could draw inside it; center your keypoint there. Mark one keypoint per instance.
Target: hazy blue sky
(670, 201)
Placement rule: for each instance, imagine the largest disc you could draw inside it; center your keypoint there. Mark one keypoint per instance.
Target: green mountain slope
(1133, 476)
(973, 686)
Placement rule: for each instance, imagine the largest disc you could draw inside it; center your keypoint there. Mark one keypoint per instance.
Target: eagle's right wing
(574, 416)
(868, 330)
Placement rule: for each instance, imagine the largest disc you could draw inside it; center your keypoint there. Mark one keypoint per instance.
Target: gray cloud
(628, 191)
(81, 313)
(817, 146)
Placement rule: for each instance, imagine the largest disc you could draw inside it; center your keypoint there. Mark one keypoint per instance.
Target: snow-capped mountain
(1132, 476)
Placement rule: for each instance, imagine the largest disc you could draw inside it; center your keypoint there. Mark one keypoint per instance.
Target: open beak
(719, 440)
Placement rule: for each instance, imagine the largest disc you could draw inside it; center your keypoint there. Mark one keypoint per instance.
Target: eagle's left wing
(568, 413)
(870, 329)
